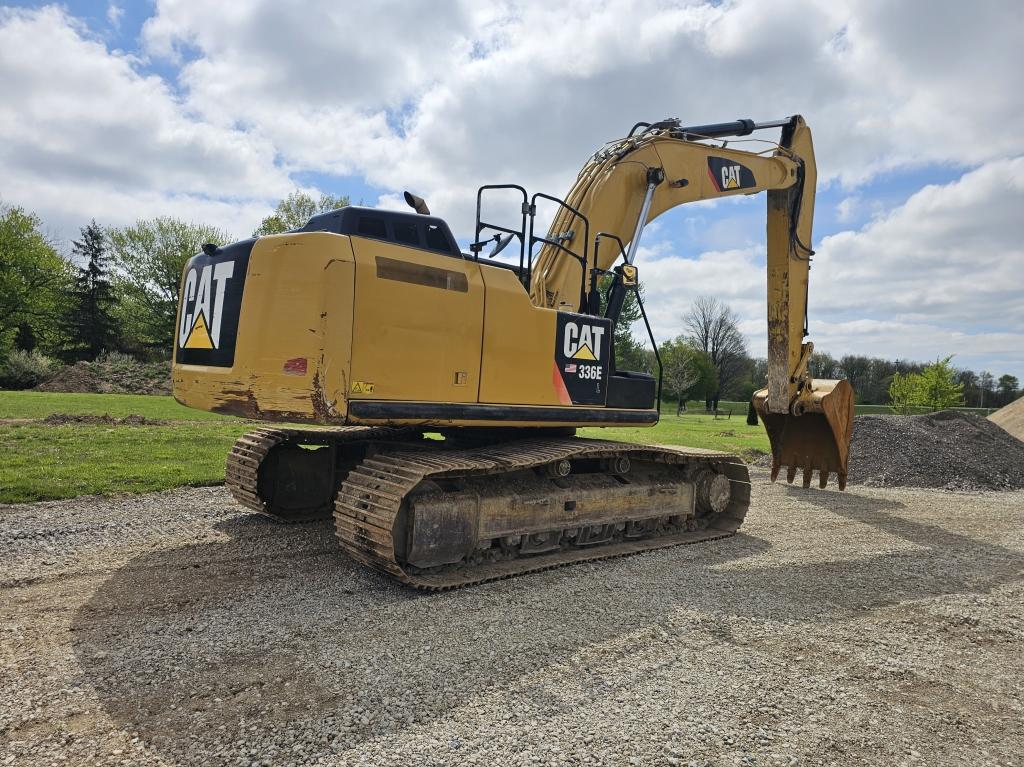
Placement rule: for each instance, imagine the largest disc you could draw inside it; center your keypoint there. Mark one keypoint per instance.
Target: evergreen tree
(25, 338)
(89, 324)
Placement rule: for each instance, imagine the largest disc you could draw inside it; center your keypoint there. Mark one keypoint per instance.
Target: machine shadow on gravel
(274, 629)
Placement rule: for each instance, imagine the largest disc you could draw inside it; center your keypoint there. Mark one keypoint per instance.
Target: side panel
(418, 325)
(294, 329)
(539, 356)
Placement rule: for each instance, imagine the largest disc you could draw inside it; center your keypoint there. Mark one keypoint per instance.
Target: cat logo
(582, 341)
(730, 177)
(727, 174)
(202, 302)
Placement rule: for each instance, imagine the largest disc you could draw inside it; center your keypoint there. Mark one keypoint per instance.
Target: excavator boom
(631, 182)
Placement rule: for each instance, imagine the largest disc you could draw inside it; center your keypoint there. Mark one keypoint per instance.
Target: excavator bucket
(816, 439)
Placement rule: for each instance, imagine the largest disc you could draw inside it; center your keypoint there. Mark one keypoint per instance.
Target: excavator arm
(631, 182)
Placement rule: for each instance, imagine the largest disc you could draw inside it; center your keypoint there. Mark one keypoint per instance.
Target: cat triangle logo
(582, 340)
(584, 353)
(199, 336)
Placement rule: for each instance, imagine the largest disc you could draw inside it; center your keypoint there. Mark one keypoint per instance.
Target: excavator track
(254, 453)
(378, 507)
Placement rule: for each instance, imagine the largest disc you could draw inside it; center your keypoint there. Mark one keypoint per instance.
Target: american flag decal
(570, 368)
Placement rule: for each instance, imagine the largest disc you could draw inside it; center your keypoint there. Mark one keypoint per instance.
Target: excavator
(429, 398)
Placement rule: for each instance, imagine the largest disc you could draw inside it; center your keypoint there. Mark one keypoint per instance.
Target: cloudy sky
(213, 111)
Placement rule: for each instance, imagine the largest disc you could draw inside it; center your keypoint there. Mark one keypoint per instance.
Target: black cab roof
(408, 229)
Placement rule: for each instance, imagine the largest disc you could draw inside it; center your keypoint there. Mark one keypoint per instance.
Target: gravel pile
(948, 449)
(871, 627)
(1011, 418)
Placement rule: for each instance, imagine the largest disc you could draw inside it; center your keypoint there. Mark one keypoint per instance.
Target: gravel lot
(876, 626)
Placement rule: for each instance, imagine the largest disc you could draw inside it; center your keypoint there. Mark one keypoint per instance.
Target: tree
(986, 388)
(970, 381)
(713, 329)
(688, 372)
(1007, 389)
(295, 210)
(903, 392)
(823, 365)
(150, 257)
(935, 387)
(32, 277)
(630, 354)
(939, 385)
(25, 338)
(89, 325)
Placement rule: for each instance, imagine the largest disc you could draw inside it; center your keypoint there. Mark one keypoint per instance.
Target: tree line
(710, 361)
(117, 290)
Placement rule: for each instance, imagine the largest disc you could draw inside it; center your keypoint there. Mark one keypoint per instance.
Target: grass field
(45, 462)
(33, 404)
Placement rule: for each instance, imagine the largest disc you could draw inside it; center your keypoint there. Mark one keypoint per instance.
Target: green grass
(49, 462)
(695, 430)
(36, 404)
(46, 462)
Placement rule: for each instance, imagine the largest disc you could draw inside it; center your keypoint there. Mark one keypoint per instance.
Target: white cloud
(445, 97)
(942, 274)
(114, 15)
(83, 135)
(848, 208)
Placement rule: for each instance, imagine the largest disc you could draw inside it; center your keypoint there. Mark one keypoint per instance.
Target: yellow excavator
(451, 385)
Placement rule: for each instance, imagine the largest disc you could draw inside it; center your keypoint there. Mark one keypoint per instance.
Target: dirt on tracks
(876, 626)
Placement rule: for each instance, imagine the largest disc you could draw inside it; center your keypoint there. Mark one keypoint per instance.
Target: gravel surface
(876, 626)
(948, 449)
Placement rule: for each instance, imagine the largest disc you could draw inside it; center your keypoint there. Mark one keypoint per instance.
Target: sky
(119, 111)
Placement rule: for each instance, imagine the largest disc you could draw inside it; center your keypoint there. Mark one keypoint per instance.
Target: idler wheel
(714, 491)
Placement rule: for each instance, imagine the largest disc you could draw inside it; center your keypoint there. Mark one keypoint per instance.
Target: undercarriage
(442, 513)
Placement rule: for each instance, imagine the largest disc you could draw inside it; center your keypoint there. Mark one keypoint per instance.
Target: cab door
(417, 324)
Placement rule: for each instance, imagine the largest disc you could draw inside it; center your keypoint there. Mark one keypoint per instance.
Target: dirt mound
(79, 377)
(947, 449)
(64, 419)
(118, 374)
(1011, 418)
